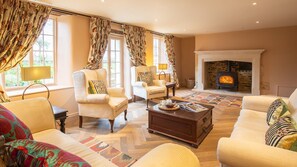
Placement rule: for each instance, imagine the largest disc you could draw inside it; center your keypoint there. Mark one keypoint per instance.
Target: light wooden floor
(132, 137)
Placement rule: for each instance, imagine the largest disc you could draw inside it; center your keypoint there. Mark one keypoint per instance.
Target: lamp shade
(35, 73)
(162, 66)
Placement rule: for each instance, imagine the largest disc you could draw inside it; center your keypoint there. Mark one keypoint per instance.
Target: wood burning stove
(227, 80)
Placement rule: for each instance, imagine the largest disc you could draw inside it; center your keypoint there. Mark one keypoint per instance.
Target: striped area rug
(214, 99)
(117, 157)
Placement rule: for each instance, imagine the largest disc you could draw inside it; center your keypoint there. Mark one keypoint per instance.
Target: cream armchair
(107, 106)
(142, 89)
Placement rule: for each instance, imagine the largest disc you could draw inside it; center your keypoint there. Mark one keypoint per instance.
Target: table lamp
(34, 74)
(162, 67)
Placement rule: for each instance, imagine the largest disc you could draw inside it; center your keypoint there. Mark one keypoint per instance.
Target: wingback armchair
(107, 106)
(142, 89)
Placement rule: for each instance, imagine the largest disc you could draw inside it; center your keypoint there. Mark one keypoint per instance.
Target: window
(160, 56)
(113, 60)
(42, 54)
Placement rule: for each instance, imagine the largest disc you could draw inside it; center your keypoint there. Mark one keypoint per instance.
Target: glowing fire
(226, 80)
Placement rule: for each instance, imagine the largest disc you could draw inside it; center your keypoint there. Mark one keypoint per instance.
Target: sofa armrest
(259, 103)
(168, 155)
(139, 84)
(36, 113)
(116, 92)
(159, 82)
(94, 99)
(234, 152)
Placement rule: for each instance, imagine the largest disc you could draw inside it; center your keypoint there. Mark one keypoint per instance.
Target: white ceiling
(189, 17)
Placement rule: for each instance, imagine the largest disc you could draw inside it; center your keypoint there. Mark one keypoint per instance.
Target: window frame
(161, 51)
(2, 75)
(121, 38)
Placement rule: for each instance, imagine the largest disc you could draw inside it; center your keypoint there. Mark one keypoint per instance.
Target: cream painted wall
(149, 48)
(73, 46)
(187, 53)
(278, 62)
(81, 42)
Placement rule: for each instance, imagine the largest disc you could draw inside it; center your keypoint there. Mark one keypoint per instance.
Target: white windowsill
(34, 90)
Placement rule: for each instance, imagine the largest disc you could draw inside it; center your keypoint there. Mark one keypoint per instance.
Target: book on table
(194, 107)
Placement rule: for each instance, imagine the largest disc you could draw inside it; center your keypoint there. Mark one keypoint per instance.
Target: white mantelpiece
(253, 56)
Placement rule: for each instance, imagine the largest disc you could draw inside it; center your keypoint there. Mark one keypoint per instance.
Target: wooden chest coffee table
(184, 125)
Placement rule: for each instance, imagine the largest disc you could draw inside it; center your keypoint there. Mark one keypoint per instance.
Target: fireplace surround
(252, 56)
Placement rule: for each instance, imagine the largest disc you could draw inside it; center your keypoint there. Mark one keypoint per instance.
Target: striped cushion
(282, 134)
(97, 87)
(277, 109)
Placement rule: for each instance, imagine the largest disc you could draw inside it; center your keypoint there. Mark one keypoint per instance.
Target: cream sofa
(38, 116)
(246, 145)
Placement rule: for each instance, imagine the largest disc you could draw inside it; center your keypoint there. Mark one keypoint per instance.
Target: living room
(197, 51)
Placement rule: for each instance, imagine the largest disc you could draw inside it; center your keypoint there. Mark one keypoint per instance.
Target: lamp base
(48, 92)
(162, 72)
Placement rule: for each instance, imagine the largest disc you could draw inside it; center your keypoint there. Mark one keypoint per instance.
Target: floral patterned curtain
(21, 24)
(171, 57)
(135, 40)
(99, 29)
(3, 96)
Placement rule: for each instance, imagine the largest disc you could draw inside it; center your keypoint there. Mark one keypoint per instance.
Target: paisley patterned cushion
(146, 77)
(97, 87)
(11, 127)
(27, 152)
(282, 134)
(276, 110)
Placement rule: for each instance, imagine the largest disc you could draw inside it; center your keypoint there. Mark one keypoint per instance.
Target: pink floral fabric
(11, 127)
(32, 153)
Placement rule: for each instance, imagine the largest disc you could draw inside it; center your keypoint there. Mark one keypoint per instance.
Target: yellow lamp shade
(162, 66)
(35, 73)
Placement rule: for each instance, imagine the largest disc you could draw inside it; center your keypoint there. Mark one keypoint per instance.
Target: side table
(61, 115)
(170, 85)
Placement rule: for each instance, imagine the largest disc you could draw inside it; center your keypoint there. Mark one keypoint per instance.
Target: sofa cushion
(168, 155)
(97, 87)
(155, 90)
(67, 143)
(247, 134)
(282, 134)
(117, 102)
(11, 127)
(277, 109)
(252, 120)
(146, 77)
(27, 152)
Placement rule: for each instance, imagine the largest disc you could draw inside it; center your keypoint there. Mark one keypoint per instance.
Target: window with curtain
(113, 61)
(42, 54)
(159, 52)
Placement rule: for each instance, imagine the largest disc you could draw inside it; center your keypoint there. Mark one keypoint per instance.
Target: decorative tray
(162, 107)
